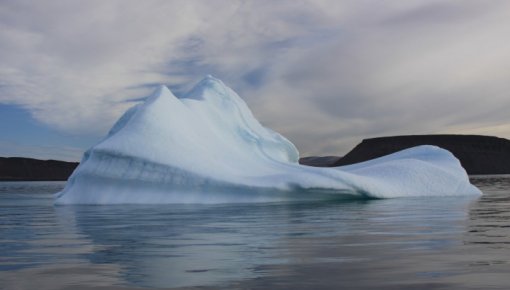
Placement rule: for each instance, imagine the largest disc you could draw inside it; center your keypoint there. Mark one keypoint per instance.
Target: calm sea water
(405, 243)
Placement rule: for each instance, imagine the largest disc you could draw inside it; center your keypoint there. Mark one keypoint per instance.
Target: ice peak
(162, 89)
(209, 85)
(211, 79)
(160, 92)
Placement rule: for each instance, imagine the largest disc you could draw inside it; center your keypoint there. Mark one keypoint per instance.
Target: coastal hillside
(477, 154)
(28, 169)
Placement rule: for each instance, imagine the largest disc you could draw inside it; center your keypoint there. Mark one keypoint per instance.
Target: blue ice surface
(207, 147)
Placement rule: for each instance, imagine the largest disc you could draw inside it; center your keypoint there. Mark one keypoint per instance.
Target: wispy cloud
(323, 73)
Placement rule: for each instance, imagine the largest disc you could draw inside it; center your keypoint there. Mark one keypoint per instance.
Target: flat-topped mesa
(207, 147)
(478, 154)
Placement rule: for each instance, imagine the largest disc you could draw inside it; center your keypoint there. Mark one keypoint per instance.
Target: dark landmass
(477, 154)
(28, 169)
(319, 161)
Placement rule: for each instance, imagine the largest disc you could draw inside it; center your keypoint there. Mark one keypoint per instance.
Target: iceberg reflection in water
(206, 147)
(401, 243)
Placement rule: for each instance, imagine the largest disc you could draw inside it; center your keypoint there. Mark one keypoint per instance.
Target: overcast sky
(325, 74)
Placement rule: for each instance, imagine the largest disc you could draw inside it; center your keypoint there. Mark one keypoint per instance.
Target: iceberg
(207, 147)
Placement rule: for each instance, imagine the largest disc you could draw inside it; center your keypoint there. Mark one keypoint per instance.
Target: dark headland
(477, 154)
(28, 169)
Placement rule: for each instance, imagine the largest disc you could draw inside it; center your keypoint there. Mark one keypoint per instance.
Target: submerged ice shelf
(206, 147)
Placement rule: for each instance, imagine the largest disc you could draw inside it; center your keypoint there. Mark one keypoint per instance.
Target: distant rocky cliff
(320, 161)
(28, 169)
(477, 154)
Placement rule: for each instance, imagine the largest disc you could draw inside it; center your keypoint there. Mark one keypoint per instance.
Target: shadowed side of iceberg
(113, 179)
(206, 147)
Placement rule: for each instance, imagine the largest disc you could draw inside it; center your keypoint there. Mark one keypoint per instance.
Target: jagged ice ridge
(207, 147)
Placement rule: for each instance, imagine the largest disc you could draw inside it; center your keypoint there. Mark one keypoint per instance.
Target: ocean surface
(403, 243)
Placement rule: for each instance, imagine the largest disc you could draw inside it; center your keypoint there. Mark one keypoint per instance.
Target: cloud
(324, 73)
(391, 73)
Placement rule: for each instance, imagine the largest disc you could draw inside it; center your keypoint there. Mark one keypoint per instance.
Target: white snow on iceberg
(206, 147)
